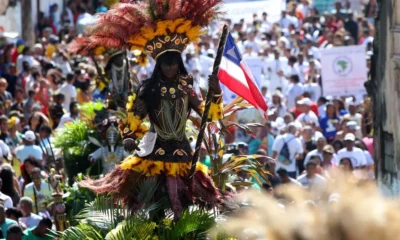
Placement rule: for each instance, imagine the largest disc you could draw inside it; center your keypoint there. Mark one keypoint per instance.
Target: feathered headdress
(87, 47)
(155, 26)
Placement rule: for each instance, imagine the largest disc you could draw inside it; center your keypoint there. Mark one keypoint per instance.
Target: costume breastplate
(173, 110)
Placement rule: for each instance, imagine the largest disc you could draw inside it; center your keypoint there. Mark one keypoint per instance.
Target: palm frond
(146, 190)
(102, 213)
(192, 225)
(82, 231)
(134, 227)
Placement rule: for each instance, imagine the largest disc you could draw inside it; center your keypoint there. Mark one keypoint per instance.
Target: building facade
(384, 88)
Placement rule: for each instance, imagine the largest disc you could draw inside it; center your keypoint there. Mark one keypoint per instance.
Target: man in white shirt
(321, 143)
(307, 116)
(292, 68)
(353, 115)
(38, 190)
(29, 219)
(273, 71)
(265, 24)
(301, 65)
(69, 91)
(352, 152)
(295, 90)
(252, 43)
(27, 150)
(5, 199)
(26, 56)
(285, 20)
(311, 179)
(295, 150)
(71, 116)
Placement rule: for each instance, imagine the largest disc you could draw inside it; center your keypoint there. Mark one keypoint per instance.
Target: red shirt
(14, 55)
(297, 112)
(314, 108)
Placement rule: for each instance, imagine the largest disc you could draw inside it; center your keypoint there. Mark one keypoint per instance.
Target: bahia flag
(235, 75)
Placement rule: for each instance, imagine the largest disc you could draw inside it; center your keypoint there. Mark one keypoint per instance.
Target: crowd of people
(308, 133)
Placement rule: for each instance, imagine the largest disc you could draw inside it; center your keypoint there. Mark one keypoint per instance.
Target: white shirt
(30, 83)
(6, 200)
(266, 26)
(322, 111)
(302, 68)
(310, 116)
(294, 90)
(314, 153)
(42, 196)
(356, 118)
(23, 152)
(368, 157)
(282, 109)
(285, 22)
(367, 40)
(357, 154)
(295, 147)
(31, 221)
(314, 89)
(255, 46)
(65, 119)
(69, 92)
(4, 149)
(317, 181)
(25, 58)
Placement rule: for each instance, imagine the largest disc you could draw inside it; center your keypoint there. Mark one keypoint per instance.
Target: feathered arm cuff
(133, 126)
(216, 109)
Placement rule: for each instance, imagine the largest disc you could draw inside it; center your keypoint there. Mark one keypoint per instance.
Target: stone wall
(384, 88)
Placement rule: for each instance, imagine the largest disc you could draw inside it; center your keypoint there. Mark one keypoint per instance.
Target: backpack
(285, 152)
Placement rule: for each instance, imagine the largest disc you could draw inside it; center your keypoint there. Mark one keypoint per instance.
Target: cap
(352, 125)
(20, 42)
(328, 149)
(350, 137)
(304, 101)
(29, 136)
(38, 46)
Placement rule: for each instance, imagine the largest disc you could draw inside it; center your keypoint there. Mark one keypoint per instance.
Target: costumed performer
(162, 29)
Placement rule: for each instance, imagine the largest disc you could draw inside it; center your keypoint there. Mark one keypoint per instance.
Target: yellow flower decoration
(131, 101)
(216, 111)
(134, 121)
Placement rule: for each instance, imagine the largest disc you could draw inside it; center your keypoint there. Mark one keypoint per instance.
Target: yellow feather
(184, 27)
(194, 33)
(162, 28)
(148, 33)
(172, 27)
(138, 40)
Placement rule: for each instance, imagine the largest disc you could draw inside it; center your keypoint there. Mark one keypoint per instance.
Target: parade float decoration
(162, 187)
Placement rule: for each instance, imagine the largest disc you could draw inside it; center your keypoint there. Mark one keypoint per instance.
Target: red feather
(80, 45)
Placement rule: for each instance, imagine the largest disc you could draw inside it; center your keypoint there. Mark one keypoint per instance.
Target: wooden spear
(209, 98)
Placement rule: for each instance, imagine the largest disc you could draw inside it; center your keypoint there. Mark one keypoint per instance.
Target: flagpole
(209, 97)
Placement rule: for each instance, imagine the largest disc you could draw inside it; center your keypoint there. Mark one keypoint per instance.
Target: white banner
(344, 71)
(242, 9)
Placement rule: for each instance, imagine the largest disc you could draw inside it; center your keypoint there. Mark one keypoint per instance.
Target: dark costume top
(168, 117)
